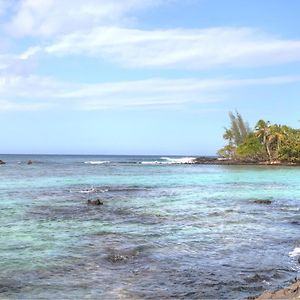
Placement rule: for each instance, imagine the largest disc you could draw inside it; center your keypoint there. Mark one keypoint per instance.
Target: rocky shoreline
(290, 292)
(229, 162)
(204, 160)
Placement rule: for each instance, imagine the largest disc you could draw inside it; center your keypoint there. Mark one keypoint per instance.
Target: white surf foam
(295, 252)
(182, 160)
(170, 161)
(93, 190)
(97, 162)
(151, 162)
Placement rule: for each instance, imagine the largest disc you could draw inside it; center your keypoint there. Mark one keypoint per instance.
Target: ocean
(165, 229)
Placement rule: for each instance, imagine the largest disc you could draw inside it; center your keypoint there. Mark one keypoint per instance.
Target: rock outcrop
(95, 202)
(261, 201)
(291, 292)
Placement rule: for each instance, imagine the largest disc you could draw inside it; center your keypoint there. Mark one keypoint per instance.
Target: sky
(143, 76)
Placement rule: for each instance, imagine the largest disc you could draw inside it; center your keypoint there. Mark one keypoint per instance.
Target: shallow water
(165, 230)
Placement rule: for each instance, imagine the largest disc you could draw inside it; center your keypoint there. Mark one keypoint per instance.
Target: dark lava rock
(2, 162)
(299, 259)
(29, 162)
(116, 258)
(295, 222)
(263, 201)
(94, 202)
(291, 292)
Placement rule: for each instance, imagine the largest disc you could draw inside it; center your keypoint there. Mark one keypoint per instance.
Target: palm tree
(263, 133)
(228, 151)
(277, 136)
(228, 135)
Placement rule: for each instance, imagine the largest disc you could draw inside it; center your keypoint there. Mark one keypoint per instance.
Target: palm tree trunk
(268, 151)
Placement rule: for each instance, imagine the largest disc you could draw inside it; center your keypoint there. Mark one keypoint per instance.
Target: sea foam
(93, 190)
(295, 252)
(182, 160)
(170, 161)
(97, 162)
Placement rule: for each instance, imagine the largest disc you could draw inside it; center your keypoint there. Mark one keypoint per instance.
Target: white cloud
(31, 87)
(36, 93)
(96, 28)
(8, 106)
(48, 18)
(19, 64)
(30, 52)
(179, 48)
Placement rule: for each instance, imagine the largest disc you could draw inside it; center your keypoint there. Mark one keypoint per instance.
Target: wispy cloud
(179, 48)
(36, 93)
(97, 28)
(9, 106)
(46, 18)
(19, 64)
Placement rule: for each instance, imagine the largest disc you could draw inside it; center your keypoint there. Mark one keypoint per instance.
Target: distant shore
(200, 160)
(219, 161)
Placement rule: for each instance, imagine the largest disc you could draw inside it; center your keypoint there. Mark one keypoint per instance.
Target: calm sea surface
(165, 230)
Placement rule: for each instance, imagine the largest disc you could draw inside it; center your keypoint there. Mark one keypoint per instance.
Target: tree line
(266, 142)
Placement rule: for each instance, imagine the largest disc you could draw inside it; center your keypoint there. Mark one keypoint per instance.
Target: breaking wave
(295, 252)
(97, 162)
(170, 161)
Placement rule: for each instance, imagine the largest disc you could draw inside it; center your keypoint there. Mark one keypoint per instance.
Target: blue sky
(143, 76)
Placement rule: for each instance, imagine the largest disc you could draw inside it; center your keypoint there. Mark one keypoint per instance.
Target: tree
(228, 135)
(239, 128)
(252, 149)
(236, 135)
(262, 130)
(290, 146)
(276, 137)
(271, 142)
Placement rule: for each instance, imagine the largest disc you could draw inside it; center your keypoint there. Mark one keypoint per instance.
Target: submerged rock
(9, 285)
(95, 202)
(260, 201)
(2, 162)
(115, 258)
(295, 222)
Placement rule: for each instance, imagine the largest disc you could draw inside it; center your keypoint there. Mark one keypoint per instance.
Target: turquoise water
(165, 230)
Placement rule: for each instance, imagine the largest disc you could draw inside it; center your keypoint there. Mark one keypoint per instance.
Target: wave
(97, 162)
(93, 190)
(112, 189)
(156, 162)
(182, 160)
(161, 161)
(295, 252)
(170, 161)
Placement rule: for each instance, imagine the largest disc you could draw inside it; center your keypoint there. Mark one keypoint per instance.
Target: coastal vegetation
(266, 142)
